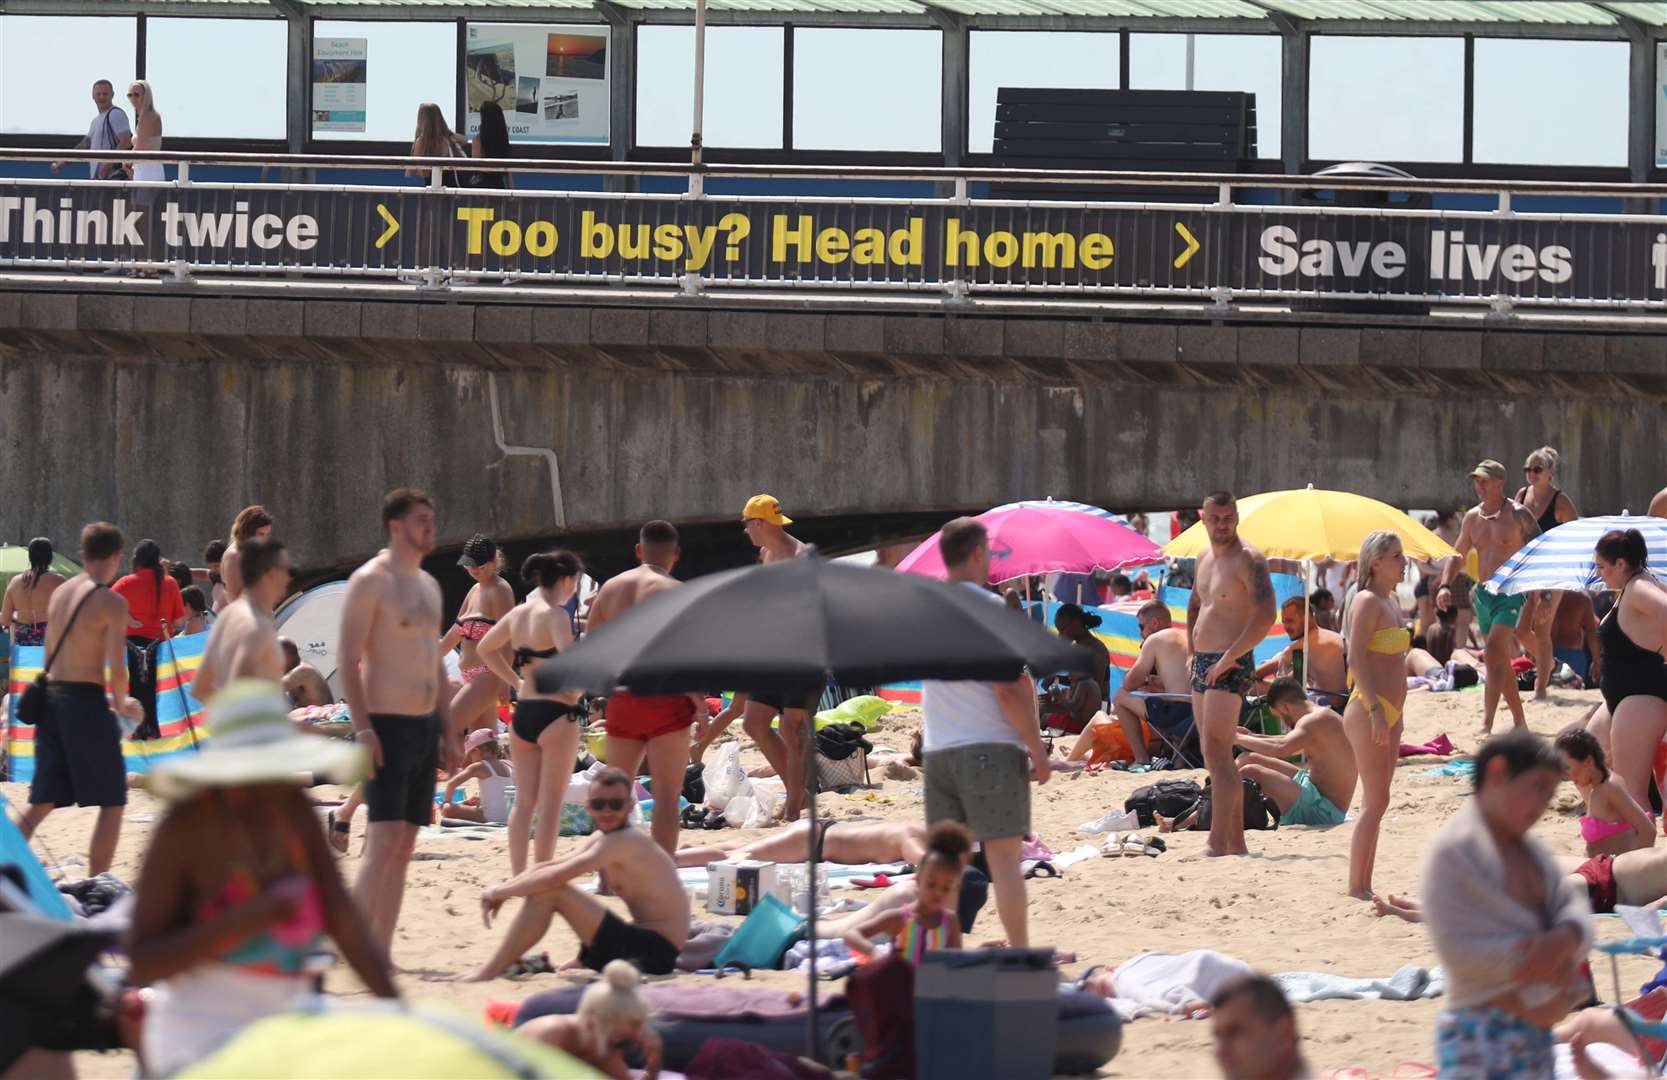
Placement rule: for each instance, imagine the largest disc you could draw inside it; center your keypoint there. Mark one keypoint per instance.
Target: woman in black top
(1634, 676)
(491, 141)
(1550, 508)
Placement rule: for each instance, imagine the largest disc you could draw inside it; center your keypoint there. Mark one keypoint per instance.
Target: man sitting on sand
(1314, 657)
(1319, 793)
(304, 684)
(1163, 665)
(638, 871)
(849, 842)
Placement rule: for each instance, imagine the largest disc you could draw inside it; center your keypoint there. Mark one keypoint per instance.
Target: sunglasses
(134, 94)
(1533, 469)
(616, 803)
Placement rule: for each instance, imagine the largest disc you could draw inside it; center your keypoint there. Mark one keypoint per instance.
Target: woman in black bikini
(1634, 676)
(1550, 507)
(544, 737)
(490, 599)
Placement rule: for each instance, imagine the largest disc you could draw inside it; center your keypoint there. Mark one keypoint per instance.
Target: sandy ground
(1282, 909)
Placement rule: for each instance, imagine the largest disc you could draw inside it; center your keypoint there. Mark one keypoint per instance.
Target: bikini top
(524, 656)
(474, 627)
(1391, 641)
(282, 948)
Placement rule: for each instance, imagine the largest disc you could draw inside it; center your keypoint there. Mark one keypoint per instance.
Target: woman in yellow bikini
(1378, 642)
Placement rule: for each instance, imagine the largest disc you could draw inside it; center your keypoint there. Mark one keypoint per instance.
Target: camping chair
(1169, 717)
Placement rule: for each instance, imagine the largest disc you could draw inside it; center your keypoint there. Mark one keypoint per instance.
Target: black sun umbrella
(791, 626)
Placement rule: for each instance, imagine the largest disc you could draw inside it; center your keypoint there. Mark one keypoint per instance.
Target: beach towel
(1465, 768)
(1409, 983)
(1168, 983)
(1440, 746)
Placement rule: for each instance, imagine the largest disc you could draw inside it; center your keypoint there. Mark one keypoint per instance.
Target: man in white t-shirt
(108, 131)
(975, 747)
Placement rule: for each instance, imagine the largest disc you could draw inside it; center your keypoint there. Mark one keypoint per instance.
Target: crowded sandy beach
(1421, 812)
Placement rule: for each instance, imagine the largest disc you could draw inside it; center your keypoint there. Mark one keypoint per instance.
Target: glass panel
(48, 64)
(406, 64)
(218, 78)
(1386, 99)
(1039, 59)
(743, 98)
(867, 89)
(1551, 102)
(1249, 62)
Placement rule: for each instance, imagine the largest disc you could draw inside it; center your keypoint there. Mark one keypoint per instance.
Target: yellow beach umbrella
(1308, 524)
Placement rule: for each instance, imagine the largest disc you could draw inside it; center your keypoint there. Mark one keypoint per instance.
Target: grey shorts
(984, 786)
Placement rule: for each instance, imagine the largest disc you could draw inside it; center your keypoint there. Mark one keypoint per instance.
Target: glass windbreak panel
(1550, 102)
(743, 86)
(218, 78)
(867, 89)
(1039, 59)
(48, 64)
(1386, 98)
(1249, 62)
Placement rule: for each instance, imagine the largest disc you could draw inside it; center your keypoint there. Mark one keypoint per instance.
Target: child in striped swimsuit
(931, 922)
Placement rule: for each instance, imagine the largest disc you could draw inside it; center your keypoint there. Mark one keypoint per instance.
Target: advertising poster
(339, 67)
(550, 81)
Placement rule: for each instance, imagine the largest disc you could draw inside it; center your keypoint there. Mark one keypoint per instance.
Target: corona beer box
(734, 887)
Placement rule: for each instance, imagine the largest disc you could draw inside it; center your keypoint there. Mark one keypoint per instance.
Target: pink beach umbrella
(1038, 539)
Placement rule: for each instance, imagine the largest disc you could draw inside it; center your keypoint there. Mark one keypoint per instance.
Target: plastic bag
(769, 797)
(725, 778)
(740, 810)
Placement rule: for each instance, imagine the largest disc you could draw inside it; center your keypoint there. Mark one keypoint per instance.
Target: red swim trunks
(644, 718)
(1599, 872)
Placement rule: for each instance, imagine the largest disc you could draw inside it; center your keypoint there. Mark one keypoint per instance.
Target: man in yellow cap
(763, 520)
(1495, 528)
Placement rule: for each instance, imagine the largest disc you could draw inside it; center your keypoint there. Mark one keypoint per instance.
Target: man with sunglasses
(638, 871)
(244, 641)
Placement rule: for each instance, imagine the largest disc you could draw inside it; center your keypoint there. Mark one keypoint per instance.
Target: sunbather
(931, 922)
(611, 1017)
(482, 762)
(1318, 792)
(850, 842)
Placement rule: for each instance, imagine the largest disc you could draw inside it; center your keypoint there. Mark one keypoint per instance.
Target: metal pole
(700, 80)
(1192, 45)
(815, 1040)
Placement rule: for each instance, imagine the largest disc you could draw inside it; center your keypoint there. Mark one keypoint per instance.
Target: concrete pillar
(1293, 95)
(956, 44)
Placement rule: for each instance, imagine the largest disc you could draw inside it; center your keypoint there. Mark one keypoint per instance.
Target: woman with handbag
(156, 610)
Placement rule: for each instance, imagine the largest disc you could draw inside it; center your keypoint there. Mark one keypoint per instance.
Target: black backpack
(1260, 811)
(1166, 798)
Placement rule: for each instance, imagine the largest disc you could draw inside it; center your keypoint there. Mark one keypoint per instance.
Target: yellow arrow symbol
(393, 227)
(1180, 260)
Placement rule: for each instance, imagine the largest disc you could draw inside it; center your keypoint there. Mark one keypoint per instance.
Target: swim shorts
(647, 950)
(78, 749)
(1311, 807)
(1492, 609)
(984, 786)
(1599, 872)
(778, 701)
(1237, 681)
(643, 718)
(403, 787)
(1483, 1044)
(1578, 661)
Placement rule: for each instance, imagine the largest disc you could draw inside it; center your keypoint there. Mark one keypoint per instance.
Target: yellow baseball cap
(765, 508)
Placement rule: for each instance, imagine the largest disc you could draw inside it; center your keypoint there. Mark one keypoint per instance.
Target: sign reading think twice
(1246, 249)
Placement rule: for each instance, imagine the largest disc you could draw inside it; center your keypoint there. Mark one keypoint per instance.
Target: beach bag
(1166, 798)
(1260, 811)
(847, 772)
(882, 1000)
(764, 938)
(31, 706)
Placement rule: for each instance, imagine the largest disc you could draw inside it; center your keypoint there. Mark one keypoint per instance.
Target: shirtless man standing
(1495, 528)
(656, 726)
(1319, 793)
(849, 842)
(391, 626)
(78, 744)
(638, 872)
(244, 641)
(1323, 673)
(1161, 666)
(303, 683)
(1230, 611)
(763, 520)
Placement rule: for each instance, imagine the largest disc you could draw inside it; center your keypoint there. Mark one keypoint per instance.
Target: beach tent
(313, 621)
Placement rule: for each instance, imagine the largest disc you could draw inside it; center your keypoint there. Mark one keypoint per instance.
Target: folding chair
(1169, 717)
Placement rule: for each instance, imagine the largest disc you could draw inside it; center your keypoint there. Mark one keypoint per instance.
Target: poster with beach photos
(550, 81)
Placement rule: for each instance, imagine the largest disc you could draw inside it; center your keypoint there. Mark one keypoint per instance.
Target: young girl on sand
(931, 923)
(483, 762)
(1614, 822)
(611, 1016)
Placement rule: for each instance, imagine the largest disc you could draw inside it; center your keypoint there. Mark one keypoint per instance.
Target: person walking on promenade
(108, 131)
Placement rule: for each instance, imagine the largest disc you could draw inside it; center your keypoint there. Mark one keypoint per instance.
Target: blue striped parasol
(1063, 504)
(1561, 558)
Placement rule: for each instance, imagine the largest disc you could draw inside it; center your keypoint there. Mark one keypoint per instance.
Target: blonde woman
(147, 135)
(612, 1015)
(1550, 507)
(1378, 643)
(435, 139)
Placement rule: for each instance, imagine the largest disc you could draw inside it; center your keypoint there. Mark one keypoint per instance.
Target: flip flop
(1041, 868)
(340, 829)
(878, 881)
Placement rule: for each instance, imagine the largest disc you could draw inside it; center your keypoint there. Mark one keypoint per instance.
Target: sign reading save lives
(1183, 250)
